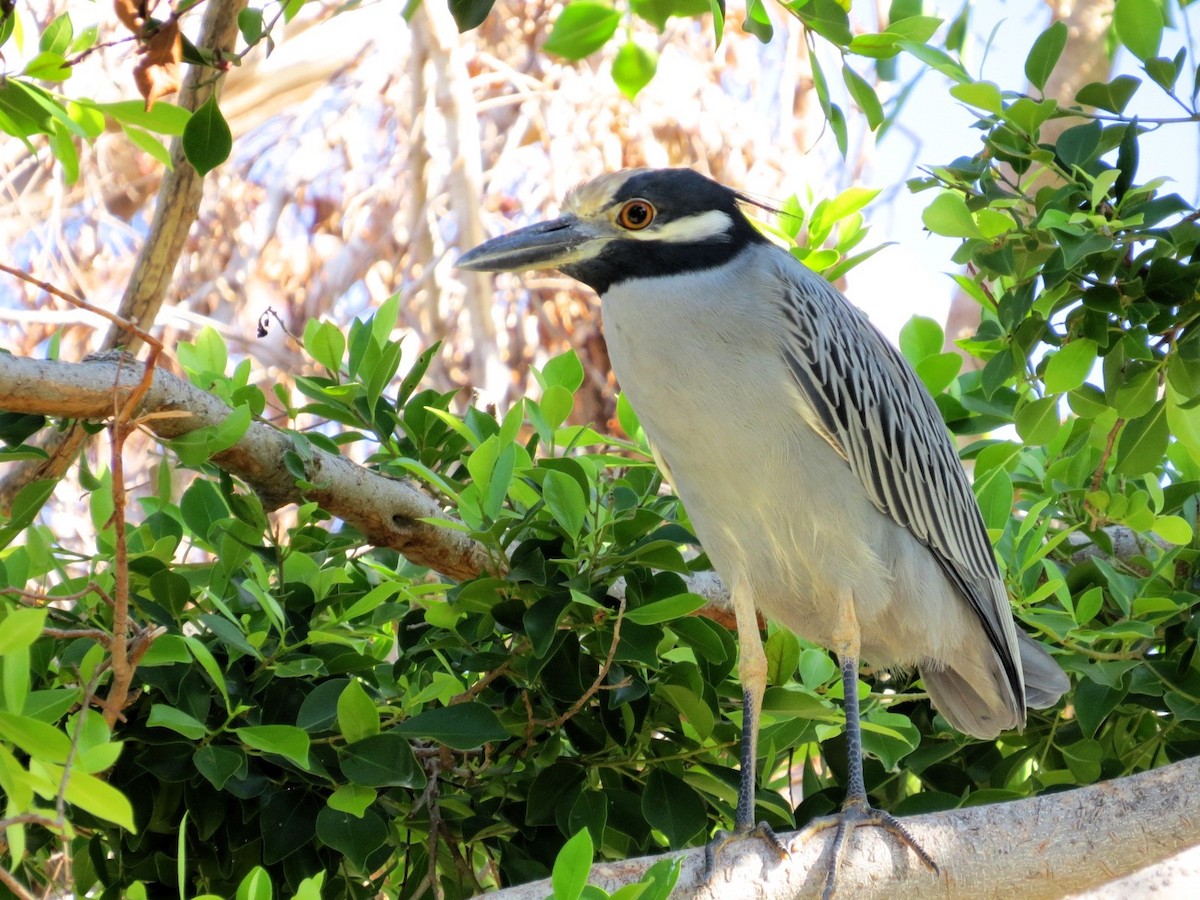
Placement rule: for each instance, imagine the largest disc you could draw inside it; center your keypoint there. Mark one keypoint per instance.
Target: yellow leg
(752, 672)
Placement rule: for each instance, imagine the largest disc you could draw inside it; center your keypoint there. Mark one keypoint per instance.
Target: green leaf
(255, 886)
(583, 27)
(355, 837)
(979, 94)
(97, 797)
(693, 708)
(162, 118)
(633, 68)
(351, 798)
(384, 760)
(1143, 442)
(464, 726)
(39, 740)
(1139, 26)
(470, 14)
(1044, 54)
(921, 337)
(20, 628)
(209, 665)
(864, 95)
(325, 343)
(356, 713)
(665, 610)
(207, 139)
(219, 763)
(556, 405)
(1038, 422)
(816, 668)
(1070, 366)
(937, 372)
(673, 807)
(572, 866)
(57, 36)
(287, 741)
(936, 59)
(949, 216)
(1173, 529)
(564, 498)
(1113, 96)
(783, 656)
(177, 720)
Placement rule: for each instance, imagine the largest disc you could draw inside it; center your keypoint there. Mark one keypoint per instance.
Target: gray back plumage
(869, 404)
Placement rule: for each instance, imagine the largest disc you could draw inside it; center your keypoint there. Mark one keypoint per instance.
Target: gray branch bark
(386, 511)
(1082, 843)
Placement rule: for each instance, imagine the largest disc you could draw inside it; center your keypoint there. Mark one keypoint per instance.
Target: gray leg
(856, 811)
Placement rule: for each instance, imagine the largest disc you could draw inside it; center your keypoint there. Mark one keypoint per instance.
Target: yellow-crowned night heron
(815, 468)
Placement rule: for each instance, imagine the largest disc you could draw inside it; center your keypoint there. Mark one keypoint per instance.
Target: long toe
(721, 839)
(855, 815)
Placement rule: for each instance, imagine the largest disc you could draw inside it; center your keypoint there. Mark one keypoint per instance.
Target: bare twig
(600, 676)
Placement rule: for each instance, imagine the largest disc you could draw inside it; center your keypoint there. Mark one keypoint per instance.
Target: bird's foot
(722, 838)
(855, 814)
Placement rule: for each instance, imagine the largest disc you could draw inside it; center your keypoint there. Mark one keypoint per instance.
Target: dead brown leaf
(133, 13)
(157, 72)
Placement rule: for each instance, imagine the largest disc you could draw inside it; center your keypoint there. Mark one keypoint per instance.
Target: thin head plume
(759, 202)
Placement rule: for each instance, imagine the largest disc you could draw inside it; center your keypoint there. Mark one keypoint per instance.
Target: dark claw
(762, 831)
(855, 815)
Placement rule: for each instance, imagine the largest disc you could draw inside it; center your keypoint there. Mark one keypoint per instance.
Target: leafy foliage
(318, 717)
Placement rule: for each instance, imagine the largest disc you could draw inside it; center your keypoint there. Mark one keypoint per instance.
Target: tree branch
(386, 511)
(1043, 847)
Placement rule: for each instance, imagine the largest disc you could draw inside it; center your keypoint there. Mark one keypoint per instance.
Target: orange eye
(636, 215)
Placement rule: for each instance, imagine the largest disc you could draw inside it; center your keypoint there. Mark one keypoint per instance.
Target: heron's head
(636, 223)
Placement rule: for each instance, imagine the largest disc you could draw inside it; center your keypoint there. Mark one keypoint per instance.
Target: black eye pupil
(637, 214)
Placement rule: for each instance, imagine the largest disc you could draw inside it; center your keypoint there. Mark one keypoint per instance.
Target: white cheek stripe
(703, 226)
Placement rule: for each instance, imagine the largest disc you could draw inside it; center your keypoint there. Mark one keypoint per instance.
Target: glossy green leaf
(470, 14)
(571, 866)
(1045, 53)
(980, 94)
(1143, 442)
(633, 68)
(1112, 96)
(38, 739)
(285, 740)
(920, 337)
(673, 807)
(1038, 422)
(582, 28)
(383, 760)
(1139, 26)
(356, 713)
(564, 498)
(464, 726)
(177, 720)
(355, 837)
(949, 216)
(1070, 365)
(95, 796)
(864, 95)
(207, 140)
(665, 610)
(20, 628)
(352, 799)
(325, 343)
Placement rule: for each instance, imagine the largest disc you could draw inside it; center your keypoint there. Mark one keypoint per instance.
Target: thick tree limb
(386, 511)
(1044, 847)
